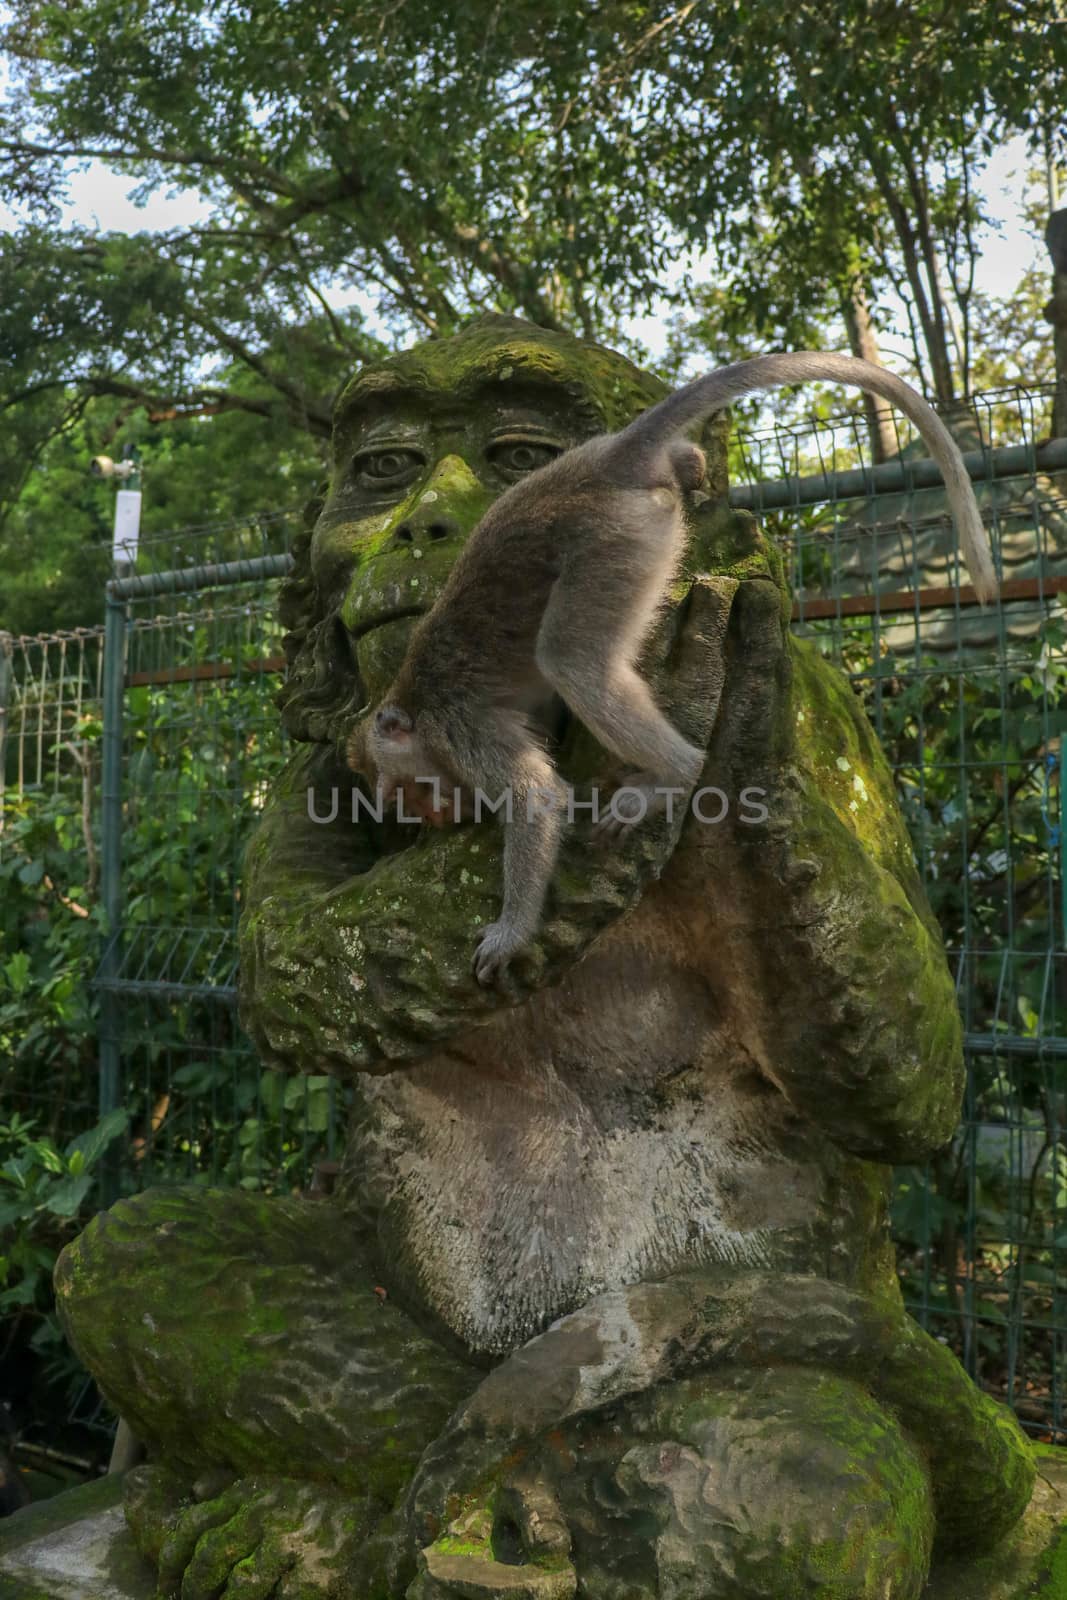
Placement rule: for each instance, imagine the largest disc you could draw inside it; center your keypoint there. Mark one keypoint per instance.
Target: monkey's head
(384, 749)
(394, 748)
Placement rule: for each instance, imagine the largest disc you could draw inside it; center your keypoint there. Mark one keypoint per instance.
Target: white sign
(127, 527)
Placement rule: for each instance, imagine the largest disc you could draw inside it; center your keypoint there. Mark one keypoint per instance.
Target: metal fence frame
(859, 491)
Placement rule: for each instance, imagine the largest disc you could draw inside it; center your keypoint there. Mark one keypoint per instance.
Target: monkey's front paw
(496, 945)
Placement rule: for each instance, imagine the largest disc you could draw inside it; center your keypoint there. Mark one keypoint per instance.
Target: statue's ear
(319, 666)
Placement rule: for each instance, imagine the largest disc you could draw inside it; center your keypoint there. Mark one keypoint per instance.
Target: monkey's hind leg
(593, 628)
(514, 769)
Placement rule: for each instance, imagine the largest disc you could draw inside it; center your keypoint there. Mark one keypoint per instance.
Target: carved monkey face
(411, 481)
(423, 444)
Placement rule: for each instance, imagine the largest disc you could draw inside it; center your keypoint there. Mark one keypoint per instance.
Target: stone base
(76, 1547)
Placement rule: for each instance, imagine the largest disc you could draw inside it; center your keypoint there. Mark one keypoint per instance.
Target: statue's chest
(500, 1204)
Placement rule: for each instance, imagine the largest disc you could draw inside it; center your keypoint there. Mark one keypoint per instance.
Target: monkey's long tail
(648, 433)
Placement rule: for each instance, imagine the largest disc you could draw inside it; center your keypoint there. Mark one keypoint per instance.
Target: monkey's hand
(638, 797)
(497, 943)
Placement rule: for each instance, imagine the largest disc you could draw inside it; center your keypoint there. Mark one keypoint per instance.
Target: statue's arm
(862, 1024)
(858, 1025)
(874, 1025)
(304, 849)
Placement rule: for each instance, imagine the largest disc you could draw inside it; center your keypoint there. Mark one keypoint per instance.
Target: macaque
(555, 593)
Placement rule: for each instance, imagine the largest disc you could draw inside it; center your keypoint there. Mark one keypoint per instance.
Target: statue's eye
(383, 469)
(518, 456)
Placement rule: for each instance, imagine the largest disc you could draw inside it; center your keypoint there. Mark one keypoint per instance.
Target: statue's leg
(278, 1387)
(233, 1330)
(636, 1339)
(750, 1485)
(745, 1485)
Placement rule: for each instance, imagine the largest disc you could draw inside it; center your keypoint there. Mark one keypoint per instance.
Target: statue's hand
(815, 879)
(256, 1537)
(522, 1534)
(354, 961)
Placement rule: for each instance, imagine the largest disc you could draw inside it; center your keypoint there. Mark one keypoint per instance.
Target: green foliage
(43, 1195)
(49, 939)
(194, 1104)
(386, 171)
(56, 539)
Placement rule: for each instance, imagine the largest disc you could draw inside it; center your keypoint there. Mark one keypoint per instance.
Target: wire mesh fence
(50, 702)
(970, 707)
(200, 744)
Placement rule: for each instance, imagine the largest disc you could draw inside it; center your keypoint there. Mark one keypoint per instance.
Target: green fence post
(111, 875)
(1061, 839)
(5, 701)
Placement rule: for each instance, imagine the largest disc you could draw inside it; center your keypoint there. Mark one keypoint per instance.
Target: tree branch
(944, 385)
(198, 402)
(910, 253)
(298, 399)
(482, 253)
(165, 155)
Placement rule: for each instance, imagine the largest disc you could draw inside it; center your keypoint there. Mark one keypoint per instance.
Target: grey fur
(555, 592)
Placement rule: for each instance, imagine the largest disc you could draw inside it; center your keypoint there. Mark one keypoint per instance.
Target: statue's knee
(113, 1249)
(118, 1282)
(782, 1482)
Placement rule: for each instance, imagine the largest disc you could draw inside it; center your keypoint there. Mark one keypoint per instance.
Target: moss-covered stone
(761, 1486)
(610, 1234)
(280, 1357)
(356, 942)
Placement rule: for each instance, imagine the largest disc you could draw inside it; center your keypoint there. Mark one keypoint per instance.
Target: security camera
(104, 467)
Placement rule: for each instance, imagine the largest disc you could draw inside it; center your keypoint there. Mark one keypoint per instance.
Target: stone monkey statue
(641, 1333)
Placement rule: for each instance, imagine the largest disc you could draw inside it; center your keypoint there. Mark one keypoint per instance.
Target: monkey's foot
(638, 797)
(261, 1538)
(497, 943)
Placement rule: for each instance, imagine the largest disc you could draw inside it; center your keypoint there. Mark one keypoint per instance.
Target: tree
(196, 470)
(537, 157)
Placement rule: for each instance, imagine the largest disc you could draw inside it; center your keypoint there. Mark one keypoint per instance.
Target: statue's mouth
(382, 619)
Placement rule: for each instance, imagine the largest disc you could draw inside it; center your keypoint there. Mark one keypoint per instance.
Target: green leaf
(17, 971)
(65, 1197)
(89, 1146)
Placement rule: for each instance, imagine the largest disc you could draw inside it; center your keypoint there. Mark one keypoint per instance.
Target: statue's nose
(426, 526)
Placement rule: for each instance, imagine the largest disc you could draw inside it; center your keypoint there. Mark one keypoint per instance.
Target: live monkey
(555, 592)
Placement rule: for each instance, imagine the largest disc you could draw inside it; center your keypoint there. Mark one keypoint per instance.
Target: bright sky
(99, 198)
(1009, 246)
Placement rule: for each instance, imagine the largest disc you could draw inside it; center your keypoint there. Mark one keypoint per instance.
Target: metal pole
(111, 875)
(209, 575)
(1055, 313)
(5, 701)
(894, 477)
